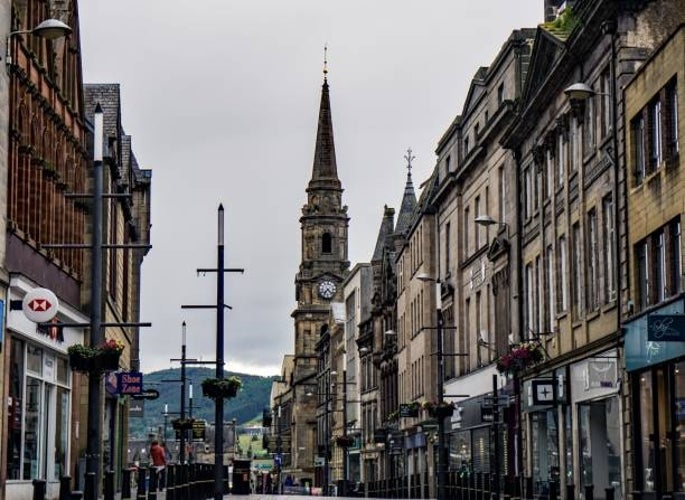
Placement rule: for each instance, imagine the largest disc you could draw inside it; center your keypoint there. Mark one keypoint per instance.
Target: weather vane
(409, 157)
(325, 60)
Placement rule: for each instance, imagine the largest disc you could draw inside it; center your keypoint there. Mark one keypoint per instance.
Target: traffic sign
(40, 305)
(146, 394)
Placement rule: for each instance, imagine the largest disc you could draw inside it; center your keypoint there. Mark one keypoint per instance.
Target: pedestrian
(157, 455)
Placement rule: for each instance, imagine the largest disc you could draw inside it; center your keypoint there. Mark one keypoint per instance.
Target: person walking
(158, 457)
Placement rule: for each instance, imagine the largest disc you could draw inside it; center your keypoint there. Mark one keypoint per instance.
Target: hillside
(251, 400)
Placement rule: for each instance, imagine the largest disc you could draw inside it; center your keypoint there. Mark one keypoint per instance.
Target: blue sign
(278, 459)
(666, 327)
(129, 383)
(640, 352)
(2, 322)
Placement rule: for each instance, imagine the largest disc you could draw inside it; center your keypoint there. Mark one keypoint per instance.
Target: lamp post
(442, 449)
(166, 421)
(182, 440)
(344, 422)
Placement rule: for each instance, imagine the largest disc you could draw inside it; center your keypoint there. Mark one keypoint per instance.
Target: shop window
(600, 445)
(545, 450)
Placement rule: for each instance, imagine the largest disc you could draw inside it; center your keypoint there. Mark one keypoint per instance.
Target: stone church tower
(323, 268)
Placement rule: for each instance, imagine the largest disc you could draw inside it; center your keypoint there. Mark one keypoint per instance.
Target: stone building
(476, 257)
(323, 268)
(654, 343)
(49, 156)
(572, 179)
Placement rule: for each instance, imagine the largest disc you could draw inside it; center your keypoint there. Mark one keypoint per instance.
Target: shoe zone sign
(129, 383)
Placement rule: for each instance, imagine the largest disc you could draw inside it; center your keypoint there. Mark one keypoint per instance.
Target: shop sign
(379, 435)
(136, 408)
(410, 410)
(666, 328)
(40, 305)
(542, 392)
(129, 383)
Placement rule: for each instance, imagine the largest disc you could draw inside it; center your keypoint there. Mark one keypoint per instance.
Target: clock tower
(324, 264)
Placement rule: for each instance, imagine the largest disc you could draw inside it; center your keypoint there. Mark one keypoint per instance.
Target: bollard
(154, 483)
(570, 491)
(76, 495)
(126, 484)
(39, 489)
(109, 485)
(553, 490)
(64, 487)
(170, 482)
(141, 493)
(589, 492)
(609, 494)
(89, 484)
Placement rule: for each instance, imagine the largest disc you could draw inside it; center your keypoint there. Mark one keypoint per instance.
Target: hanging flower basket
(88, 359)
(439, 410)
(519, 358)
(81, 358)
(344, 441)
(215, 388)
(182, 424)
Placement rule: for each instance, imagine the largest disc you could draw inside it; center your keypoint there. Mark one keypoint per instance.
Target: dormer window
(326, 243)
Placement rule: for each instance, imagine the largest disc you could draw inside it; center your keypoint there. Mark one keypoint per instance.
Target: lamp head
(425, 277)
(51, 29)
(485, 220)
(579, 92)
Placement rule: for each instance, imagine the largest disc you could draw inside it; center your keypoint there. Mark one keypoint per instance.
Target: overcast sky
(221, 100)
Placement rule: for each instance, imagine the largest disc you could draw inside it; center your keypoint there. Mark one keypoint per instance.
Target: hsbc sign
(40, 305)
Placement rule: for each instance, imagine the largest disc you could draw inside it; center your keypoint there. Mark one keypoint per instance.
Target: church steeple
(325, 169)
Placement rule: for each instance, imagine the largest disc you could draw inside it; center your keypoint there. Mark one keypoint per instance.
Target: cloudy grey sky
(221, 98)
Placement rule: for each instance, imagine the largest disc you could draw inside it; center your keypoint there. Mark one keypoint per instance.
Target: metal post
(344, 422)
(219, 402)
(94, 433)
(442, 476)
(279, 452)
(182, 441)
(327, 435)
(166, 422)
(495, 431)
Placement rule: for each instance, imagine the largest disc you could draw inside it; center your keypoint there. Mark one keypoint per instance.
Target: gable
(547, 49)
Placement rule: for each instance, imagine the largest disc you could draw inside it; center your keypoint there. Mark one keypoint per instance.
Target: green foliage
(246, 406)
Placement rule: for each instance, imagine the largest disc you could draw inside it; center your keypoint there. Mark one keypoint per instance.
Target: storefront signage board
(666, 327)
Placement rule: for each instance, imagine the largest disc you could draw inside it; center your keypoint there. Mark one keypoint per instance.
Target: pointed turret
(404, 218)
(384, 232)
(325, 169)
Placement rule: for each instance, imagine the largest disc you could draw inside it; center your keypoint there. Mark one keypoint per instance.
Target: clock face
(327, 289)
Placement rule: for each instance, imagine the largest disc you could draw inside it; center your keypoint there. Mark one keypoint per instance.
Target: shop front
(39, 397)
(573, 422)
(655, 362)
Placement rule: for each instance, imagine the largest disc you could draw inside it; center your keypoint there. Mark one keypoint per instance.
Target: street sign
(146, 394)
(136, 409)
(40, 305)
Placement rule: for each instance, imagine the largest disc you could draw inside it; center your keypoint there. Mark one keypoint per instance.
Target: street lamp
(442, 449)
(50, 29)
(166, 418)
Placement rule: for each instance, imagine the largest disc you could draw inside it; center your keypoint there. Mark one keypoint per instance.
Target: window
(589, 127)
(528, 294)
(528, 192)
(609, 249)
(500, 94)
(592, 261)
(448, 161)
(658, 262)
(562, 273)
(550, 289)
(561, 160)
(655, 135)
(605, 104)
(476, 213)
(501, 193)
(576, 260)
(326, 243)
(447, 248)
(672, 109)
(675, 258)
(466, 146)
(549, 174)
(467, 223)
(576, 144)
(639, 148)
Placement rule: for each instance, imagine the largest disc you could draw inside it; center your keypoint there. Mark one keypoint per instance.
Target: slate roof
(404, 218)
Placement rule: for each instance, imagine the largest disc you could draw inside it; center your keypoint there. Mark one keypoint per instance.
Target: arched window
(326, 243)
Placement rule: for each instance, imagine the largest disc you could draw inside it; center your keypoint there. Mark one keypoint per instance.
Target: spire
(408, 200)
(325, 167)
(384, 232)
